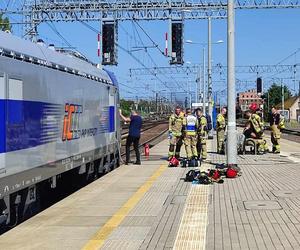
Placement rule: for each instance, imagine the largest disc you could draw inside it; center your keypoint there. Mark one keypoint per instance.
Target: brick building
(244, 99)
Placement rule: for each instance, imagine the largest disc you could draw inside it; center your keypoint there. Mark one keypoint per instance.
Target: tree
(4, 23)
(274, 94)
(126, 106)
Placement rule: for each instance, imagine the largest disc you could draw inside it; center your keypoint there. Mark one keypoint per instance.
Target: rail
(146, 126)
(153, 139)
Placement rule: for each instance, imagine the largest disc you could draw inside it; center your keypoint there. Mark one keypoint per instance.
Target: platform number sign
(71, 122)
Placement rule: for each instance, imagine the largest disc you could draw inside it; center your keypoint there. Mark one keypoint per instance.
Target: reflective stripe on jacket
(175, 124)
(191, 125)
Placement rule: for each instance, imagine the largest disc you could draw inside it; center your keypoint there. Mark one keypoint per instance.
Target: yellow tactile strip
(97, 241)
(192, 230)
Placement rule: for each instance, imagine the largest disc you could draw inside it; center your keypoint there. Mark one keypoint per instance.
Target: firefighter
(190, 124)
(201, 134)
(276, 124)
(221, 127)
(175, 133)
(258, 128)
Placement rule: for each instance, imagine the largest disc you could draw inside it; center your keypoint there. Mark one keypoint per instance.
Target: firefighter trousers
(275, 138)
(175, 144)
(201, 147)
(220, 140)
(190, 142)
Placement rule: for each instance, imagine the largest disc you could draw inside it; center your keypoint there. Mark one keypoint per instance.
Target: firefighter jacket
(277, 120)
(221, 123)
(202, 123)
(190, 123)
(256, 123)
(175, 124)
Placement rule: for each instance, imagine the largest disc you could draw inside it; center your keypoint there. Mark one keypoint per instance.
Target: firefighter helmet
(253, 106)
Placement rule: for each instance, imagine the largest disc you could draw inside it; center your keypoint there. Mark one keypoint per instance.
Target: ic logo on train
(71, 122)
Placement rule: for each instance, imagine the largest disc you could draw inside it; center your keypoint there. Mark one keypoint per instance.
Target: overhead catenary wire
(55, 30)
(153, 42)
(283, 60)
(126, 51)
(151, 58)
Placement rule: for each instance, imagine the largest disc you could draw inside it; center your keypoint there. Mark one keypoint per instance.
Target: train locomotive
(59, 113)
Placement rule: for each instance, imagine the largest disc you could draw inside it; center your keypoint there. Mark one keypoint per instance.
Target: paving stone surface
(260, 209)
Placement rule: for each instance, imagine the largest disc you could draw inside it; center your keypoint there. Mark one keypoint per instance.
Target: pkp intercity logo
(71, 122)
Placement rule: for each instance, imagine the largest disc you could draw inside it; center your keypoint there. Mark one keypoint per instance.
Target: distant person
(175, 133)
(202, 134)
(276, 124)
(257, 126)
(190, 124)
(221, 127)
(134, 135)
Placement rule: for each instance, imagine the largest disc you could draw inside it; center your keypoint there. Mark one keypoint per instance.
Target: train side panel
(54, 121)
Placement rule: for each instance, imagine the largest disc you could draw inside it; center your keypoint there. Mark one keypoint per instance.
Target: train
(59, 114)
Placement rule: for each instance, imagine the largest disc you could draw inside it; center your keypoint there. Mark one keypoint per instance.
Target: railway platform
(151, 207)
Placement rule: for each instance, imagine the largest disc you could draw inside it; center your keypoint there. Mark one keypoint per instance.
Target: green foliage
(274, 94)
(144, 107)
(4, 23)
(126, 106)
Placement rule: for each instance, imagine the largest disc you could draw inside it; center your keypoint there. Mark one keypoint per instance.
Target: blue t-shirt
(135, 126)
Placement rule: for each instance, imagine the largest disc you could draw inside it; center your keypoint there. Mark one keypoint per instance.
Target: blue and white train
(58, 113)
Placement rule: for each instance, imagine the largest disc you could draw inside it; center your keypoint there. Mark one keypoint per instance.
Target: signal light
(177, 43)
(259, 86)
(109, 48)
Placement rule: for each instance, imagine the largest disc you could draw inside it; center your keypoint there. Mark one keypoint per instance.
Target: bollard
(147, 151)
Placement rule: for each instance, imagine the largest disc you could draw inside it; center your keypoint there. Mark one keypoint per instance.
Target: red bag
(231, 173)
(173, 162)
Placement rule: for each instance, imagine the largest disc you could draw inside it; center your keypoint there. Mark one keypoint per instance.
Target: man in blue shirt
(134, 135)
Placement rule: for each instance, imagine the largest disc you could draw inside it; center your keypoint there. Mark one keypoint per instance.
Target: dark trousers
(135, 141)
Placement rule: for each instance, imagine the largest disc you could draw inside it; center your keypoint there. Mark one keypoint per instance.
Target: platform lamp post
(282, 97)
(231, 89)
(204, 68)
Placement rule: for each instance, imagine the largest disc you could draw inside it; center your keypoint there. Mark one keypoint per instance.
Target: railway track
(291, 132)
(150, 133)
(146, 126)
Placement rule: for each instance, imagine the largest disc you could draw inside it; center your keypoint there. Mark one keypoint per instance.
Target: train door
(2, 122)
(15, 124)
(112, 113)
(117, 102)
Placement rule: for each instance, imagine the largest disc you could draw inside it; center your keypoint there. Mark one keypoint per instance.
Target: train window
(2, 87)
(15, 89)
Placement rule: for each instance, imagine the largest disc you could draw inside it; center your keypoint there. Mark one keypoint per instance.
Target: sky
(263, 37)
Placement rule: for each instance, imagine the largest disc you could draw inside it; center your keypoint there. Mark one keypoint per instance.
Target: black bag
(204, 179)
(192, 163)
(183, 163)
(192, 175)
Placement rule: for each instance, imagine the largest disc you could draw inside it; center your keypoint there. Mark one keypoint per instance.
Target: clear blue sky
(262, 37)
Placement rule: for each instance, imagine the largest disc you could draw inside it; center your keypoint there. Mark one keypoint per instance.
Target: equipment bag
(192, 163)
(192, 175)
(183, 163)
(173, 162)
